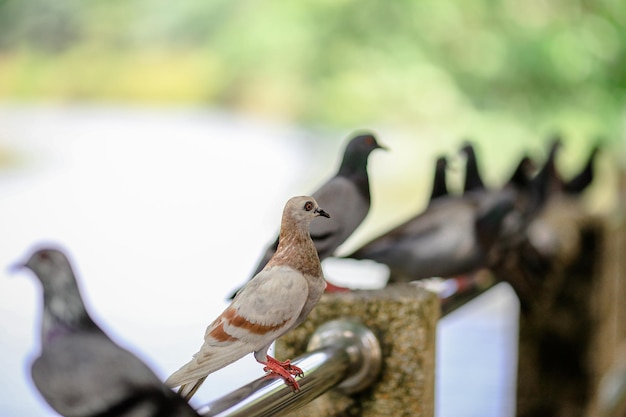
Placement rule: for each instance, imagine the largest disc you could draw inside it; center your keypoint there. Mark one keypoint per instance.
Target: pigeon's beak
(321, 212)
(383, 147)
(16, 267)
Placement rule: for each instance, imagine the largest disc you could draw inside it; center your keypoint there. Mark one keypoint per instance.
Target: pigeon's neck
(296, 249)
(547, 179)
(440, 187)
(520, 177)
(355, 169)
(473, 181)
(64, 311)
(580, 181)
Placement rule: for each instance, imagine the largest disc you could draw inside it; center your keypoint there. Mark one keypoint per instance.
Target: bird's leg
(285, 370)
(335, 288)
(287, 366)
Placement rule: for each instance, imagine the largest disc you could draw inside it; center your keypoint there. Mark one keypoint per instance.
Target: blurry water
(163, 214)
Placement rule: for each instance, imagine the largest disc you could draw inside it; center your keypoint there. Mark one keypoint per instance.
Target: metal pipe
(454, 293)
(341, 354)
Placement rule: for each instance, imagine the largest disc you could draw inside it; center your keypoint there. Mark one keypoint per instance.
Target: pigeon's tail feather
(188, 390)
(191, 375)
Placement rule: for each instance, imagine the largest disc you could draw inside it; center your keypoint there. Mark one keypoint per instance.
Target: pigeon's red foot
(285, 370)
(335, 288)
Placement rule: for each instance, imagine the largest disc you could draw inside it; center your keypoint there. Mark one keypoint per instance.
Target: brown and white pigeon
(346, 195)
(81, 372)
(275, 301)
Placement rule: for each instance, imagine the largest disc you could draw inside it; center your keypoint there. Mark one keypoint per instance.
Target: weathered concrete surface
(404, 318)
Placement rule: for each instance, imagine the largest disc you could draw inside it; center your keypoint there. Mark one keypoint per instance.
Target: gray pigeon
(452, 236)
(81, 372)
(346, 195)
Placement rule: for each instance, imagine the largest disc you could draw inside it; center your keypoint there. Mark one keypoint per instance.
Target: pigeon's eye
(43, 256)
(308, 206)
(369, 140)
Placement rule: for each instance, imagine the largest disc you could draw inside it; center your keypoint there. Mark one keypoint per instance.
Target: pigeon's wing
(86, 373)
(424, 235)
(268, 304)
(263, 310)
(340, 197)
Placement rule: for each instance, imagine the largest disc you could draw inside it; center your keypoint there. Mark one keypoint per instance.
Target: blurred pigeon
(579, 182)
(520, 184)
(547, 181)
(440, 188)
(473, 180)
(81, 371)
(452, 236)
(512, 231)
(346, 196)
(275, 301)
(522, 174)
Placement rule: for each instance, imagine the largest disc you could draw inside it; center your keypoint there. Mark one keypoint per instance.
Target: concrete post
(404, 318)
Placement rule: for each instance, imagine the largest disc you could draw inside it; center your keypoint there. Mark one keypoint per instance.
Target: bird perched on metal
(451, 237)
(346, 195)
(81, 371)
(275, 301)
(473, 179)
(440, 187)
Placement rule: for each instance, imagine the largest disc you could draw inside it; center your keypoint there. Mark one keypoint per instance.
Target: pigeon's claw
(285, 370)
(287, 366)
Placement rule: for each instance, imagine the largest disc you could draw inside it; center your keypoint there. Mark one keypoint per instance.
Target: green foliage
(341, 62)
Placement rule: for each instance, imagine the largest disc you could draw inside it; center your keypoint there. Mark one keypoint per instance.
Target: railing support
(404, 318)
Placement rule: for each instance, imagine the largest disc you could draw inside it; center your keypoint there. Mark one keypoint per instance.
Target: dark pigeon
(346, 195)
(451, 237)
(521, 177)
(473, 179)
(579, 182)
(457, 234)
(440, 187)
(547, 181)
(81, 372)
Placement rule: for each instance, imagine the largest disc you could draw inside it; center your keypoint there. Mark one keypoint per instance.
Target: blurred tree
(332, 62)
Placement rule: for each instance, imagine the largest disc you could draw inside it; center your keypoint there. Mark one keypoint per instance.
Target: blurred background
(503, 69)
(135, 133)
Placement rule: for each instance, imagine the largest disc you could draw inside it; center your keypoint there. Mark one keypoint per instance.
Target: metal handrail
(342, 354)
(455, 292)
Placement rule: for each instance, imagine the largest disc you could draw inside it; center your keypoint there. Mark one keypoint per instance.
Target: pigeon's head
(556, 142)
(363, 144)
(357, 152)
(48, 264)
(467, 149)
(527, 166)
(304, 209)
